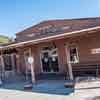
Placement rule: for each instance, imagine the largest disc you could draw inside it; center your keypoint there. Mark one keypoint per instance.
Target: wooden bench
(86, 67)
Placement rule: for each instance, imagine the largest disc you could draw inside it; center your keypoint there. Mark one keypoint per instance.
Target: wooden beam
(68, 63)
(3, 65)
(13, 62)
(32, 66)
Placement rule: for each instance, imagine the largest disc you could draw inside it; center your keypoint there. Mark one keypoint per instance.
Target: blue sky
(16, 15)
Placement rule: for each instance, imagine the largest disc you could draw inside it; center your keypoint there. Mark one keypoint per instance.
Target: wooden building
(60, 47)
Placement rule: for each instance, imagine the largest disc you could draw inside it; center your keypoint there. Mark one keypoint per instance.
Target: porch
(49, 69)
(65, 57)
(51, 87)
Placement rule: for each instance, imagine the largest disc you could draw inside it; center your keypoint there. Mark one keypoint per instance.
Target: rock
(28, 87)
(69, 84)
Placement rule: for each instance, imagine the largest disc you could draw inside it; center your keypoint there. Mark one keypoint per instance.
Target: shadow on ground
(88, 88)
(93, 98)
(55, 87)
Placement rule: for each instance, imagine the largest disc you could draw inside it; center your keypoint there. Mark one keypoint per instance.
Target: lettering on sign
(53, 29)
(31, 35)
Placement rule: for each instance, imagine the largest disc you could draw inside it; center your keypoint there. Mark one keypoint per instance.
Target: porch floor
(52, 87)
(55, 87)
(87, 93)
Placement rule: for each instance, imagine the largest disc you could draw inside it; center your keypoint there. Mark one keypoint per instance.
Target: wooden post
(97, 70)
(32, 66)
(3, 65)
(32, 73)
(13, 62)
(69, 64)
(18, 63)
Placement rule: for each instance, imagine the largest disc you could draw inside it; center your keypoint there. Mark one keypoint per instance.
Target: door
(54, 60)
(49, 60)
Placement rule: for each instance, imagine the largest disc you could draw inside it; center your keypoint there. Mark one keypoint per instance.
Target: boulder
(28, 87)
(69, 84)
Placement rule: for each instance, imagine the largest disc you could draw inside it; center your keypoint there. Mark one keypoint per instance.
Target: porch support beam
(13, 62)
(69, 64)
(18, 63)
(32, 67)
(3, 65)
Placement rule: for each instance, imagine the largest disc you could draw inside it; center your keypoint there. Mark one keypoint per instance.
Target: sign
(53, 29)
(95, 51)
(30, 60)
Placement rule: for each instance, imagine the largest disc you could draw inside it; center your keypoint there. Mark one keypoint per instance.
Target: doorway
(49, 59)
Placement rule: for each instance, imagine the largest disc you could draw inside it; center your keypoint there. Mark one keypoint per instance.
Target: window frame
(7, 62)
(77, 53)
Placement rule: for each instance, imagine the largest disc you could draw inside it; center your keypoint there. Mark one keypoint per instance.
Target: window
(73, 54)
(7, 62)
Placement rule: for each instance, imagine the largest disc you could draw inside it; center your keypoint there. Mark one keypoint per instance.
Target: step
(50, 76)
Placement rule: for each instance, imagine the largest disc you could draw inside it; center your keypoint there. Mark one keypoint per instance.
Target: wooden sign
(95, 51)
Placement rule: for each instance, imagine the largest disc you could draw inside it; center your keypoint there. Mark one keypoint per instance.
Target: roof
(58, 36)
(71, 27)
(61, 26)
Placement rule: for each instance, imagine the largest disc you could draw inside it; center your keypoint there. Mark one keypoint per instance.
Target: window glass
(7, 62)
(73, 55)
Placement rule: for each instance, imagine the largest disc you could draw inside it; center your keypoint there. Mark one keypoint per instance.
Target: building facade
(60, 47)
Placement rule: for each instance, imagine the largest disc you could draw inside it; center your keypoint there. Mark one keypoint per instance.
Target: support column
(13, 63)
(32, 65)
(3, 65)
(18, 63)
(69, 64)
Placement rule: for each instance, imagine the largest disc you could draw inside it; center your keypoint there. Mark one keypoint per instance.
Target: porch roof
(58, 36)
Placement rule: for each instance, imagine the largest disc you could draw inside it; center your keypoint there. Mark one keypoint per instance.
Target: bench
(85, 68)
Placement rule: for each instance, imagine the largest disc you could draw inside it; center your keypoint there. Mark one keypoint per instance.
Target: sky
(16, 15)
